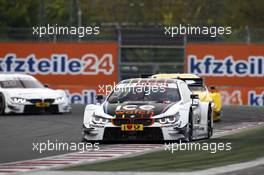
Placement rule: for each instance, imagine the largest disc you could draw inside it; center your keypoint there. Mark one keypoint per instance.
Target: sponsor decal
(237, 70)
(233, 97)
(255, 99)
(78, 68)
(88, 64)
(227, 64)
(209, 65)
(134, 107)
(86, 96)
(242, 96)
(141, 110)
(134, 112)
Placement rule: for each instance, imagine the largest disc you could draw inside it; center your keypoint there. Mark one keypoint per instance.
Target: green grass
(247, 145)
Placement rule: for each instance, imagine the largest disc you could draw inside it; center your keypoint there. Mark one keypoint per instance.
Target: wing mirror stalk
(195, 99)
(99, 98)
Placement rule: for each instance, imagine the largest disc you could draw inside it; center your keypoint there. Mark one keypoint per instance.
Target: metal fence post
(119, 39)
(248, 34)
(79, 15)
(184, 53)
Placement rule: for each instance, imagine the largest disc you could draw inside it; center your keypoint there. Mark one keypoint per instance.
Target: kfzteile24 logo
(209, 65)
(58, 64)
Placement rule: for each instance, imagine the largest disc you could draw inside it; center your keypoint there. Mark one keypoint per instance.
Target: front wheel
(2, 104)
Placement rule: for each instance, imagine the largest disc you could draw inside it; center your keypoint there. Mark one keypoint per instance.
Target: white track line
(211, 171)
(106, 153)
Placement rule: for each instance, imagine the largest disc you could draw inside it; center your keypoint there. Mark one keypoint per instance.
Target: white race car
(148, 110)
(21, 93)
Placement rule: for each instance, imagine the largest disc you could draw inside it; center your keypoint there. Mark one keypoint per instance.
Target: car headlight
(99, 120)
(59, 99)
(18, 100)
(169, 119)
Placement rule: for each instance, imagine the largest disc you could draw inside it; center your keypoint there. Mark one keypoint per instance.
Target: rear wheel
(209, 123)
(189, 128)
(2, 104)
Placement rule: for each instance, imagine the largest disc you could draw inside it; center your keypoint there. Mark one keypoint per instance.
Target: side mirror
(195, 99)
(194, 96)
(99, 98)
(46, 85)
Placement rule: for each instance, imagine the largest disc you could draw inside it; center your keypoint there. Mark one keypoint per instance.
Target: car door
(185, 94)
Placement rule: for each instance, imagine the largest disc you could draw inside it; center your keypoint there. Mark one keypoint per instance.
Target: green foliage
(235, 13)
(57, 11)
(18, 13)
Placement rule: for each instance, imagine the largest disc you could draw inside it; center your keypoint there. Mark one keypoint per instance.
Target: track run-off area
(19, 132)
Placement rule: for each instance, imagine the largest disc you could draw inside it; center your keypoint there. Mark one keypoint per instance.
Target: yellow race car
(196, 84)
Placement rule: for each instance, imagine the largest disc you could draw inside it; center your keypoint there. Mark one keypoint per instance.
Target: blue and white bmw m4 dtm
(20, 93)
(148, 110)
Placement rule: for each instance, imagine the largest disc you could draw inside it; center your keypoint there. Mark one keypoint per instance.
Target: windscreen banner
(236, 69)
(80, 68)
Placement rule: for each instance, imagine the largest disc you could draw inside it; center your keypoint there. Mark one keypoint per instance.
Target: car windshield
(145, 93)
(20, 83)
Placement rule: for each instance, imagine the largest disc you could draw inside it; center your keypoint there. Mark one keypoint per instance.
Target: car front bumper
(149, 133)
(31, 108)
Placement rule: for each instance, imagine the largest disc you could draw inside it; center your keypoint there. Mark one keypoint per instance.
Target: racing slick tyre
(84, 140)
(2, 104)
(209, 123)
(92, 141)
(189, 127)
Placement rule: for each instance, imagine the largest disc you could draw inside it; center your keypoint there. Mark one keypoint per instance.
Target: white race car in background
(148, 110)
(21, 93)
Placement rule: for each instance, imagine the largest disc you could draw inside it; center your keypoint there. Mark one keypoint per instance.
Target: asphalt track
(19, 132)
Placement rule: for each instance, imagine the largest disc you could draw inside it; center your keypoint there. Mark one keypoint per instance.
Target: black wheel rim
(2, 107)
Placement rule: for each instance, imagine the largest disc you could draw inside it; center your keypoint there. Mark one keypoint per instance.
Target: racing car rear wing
(193, 81)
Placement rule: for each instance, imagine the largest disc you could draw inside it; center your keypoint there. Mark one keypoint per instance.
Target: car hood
(136, 109)
(30, 93)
